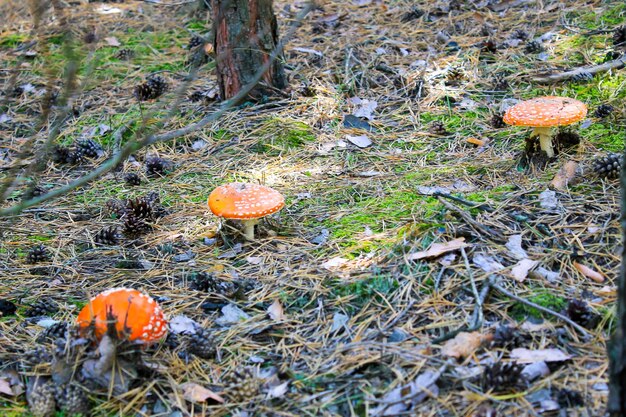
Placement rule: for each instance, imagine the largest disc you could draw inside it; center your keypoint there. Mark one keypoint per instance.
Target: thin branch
(567, 320)
(134, 146)
(582, 71)
(470, 220)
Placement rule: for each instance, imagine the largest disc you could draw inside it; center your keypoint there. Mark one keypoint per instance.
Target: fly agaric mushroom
(245, 202)
(136, 314)
(543, 113)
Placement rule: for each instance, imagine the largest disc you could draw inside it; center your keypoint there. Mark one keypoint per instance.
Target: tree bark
(245, 34)
(617, 345)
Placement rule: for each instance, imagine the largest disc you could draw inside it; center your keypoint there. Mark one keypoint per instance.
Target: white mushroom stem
(545, 139)
(248, 228)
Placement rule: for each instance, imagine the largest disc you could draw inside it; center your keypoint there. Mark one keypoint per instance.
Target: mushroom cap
(134, 309)
(244, 201)
(546, 112)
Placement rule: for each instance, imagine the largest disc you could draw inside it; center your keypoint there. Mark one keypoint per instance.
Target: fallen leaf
(403, 398)
(438, 249)
(535, 370)
(487, 263)
(5, 387)
(278, 391)
(566, 176)
(334, 263)
(364, 108)
(523, 355)
(475, 141)
(339, 320)
(112, 41)
(275, 311)
(464, 344)
(254, 260)
(589, 273)
(542, 272)
(548, 200)
(514, 245)
(199, 394)
(520, 270)
(361, 141)
(231, 314)
(182, 324)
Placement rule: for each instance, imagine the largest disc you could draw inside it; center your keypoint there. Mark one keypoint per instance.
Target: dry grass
(366, 200)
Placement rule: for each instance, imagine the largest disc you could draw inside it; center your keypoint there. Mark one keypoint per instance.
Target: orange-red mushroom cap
(244, 201)
(546, 112)
(133, 309)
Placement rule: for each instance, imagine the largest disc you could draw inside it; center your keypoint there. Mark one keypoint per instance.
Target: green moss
(282, 135)
(11, 40)
(544, 298)
(360, 293)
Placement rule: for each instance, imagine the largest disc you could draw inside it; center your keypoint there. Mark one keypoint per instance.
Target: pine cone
(569, 398)
(72, 400)
(41, 399)
(507, 337)
(154, 87)
(37, 254)
(7, 308)
(125, 54)
(107, 236)
(202, 344)
(37, 356)
(132, 179)
(497, 121)
(519, 34)
(57, 331)
(533, 47)
(437, 128)
(500, 83)
(412, 14)
(502, 377)
(135, 226)
(454, 75)
(76, 157)
(580, 313)
(61, 154)
(619, 36)
(203, 281)
(195, 41)
(115, 208)
(242, 385)
(140, 208)
(90, 148)
(156, 166)
(42, 308)
(603, 111)
(608, 166)
(489, 46)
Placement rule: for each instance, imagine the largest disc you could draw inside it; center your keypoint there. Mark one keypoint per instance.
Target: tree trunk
(617, 345)
(245, 34)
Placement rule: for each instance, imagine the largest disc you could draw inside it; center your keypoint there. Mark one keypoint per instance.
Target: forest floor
(338, 310)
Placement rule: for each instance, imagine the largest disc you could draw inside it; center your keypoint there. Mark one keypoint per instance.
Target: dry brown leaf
(276, 312)
(464, 344)
(521, 269)
(566, 176)
(523, 355)
(5, 387)
(475, 141)
(438, 249)
(589, 273)
(198, 394)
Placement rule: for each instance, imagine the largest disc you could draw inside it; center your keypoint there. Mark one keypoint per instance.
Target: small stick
(567, 320)
(471, 204)
(469, 219)
(594, 69)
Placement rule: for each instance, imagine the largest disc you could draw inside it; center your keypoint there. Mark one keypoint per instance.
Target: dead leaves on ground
(438, 249)
(464, 344)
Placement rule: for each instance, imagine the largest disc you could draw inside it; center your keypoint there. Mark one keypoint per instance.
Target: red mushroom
(543, 113)
(245, 202)
(136, 314)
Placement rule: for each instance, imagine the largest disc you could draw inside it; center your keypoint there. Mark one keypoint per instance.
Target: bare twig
(594, 69)
(567, 320)
(470, 220)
